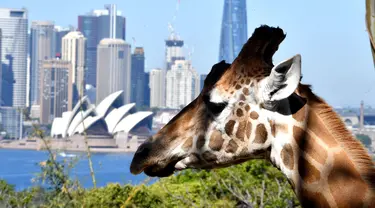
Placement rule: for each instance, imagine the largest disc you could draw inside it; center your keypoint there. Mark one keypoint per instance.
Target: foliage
(252, 184)
(255, 184)
(366, 140)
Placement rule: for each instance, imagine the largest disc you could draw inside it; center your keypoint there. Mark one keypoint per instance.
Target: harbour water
(19, 167)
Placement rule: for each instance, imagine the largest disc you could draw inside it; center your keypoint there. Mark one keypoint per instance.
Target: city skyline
(302, 37)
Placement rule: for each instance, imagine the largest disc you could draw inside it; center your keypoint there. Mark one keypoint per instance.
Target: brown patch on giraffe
(231, 147)
(316, 125)
(209, 156)
(260, 134)
(254, 115)
(238, 87)
(312, 199)
(216, 141)
(309, 145)
(247, 108)
(231, 92)
(240, 134)
(200, 142)
(229, 127)
(345, 183)
(241, 103)
(247, 81)
(308, 172)
(188, 144)
(242, 97)
(287, 156)
(300, 115)
(239, 112)
(248, 129)
(273, 128)
(242, 81)
(246, 91)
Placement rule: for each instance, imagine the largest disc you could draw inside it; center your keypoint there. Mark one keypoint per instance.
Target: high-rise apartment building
(113, 69)
(56, 89)
(137, 77)
(95, 26)
(233, 29)
(73, 50)
(157, 82)
(42, 48)
(14, 25)
(182, 84)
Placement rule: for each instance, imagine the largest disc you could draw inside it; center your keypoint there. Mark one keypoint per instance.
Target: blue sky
(330, 35)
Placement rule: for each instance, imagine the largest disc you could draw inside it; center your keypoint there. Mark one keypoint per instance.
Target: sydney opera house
(106, 120)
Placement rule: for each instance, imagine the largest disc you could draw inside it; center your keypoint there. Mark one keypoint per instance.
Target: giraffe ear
(283, 80)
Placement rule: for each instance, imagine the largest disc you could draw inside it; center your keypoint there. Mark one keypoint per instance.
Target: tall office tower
(113, 69)
(137, 77)
(95, 26)
(56, 89)
(60, 32)
(14, 25)
(233, 29)
(146, 89)
(203, 77)
(157, 81)
(42, 48)
(73, 50)
(182, 84)
(1, 71)
(28, 82)
(173, 50)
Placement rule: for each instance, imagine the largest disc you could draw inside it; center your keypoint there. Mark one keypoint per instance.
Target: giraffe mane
(354, 148)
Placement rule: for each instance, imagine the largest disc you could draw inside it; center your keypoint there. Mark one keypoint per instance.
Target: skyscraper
(10, 122)
(137, 77)
(42, 48)
(95, 26)
(157, 81)
(55, 89)
(203, 77)
(13, 23)
(182, 84)
(1, 71)
(113, 69)
(73, 50)
(60, 32)
(173, 50)
(233, 29)
(146, 89)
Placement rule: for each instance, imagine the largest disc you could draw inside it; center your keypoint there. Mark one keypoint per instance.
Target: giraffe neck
(324, 164)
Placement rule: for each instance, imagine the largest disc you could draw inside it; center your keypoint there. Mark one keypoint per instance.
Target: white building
(173, 50)
(73, 50)
(157, 86)
(182, 84)
(113, 69)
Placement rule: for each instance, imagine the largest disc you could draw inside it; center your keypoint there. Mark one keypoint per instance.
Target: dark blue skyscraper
(233, 29)
(95, 26)
(146, 89)
(137, 77)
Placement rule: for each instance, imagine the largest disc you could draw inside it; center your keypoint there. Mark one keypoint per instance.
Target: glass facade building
(96, 26)
(233, 29)
(10, 122)
(137, 77)
(14, 25)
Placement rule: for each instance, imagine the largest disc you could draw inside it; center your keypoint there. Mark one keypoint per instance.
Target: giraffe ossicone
(252, 109)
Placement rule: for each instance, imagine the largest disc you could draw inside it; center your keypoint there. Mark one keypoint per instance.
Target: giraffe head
(229, 122)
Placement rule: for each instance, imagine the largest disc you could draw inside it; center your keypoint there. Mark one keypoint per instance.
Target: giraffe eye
(215, 108)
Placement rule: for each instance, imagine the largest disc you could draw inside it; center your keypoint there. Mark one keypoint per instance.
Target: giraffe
(252, 109)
